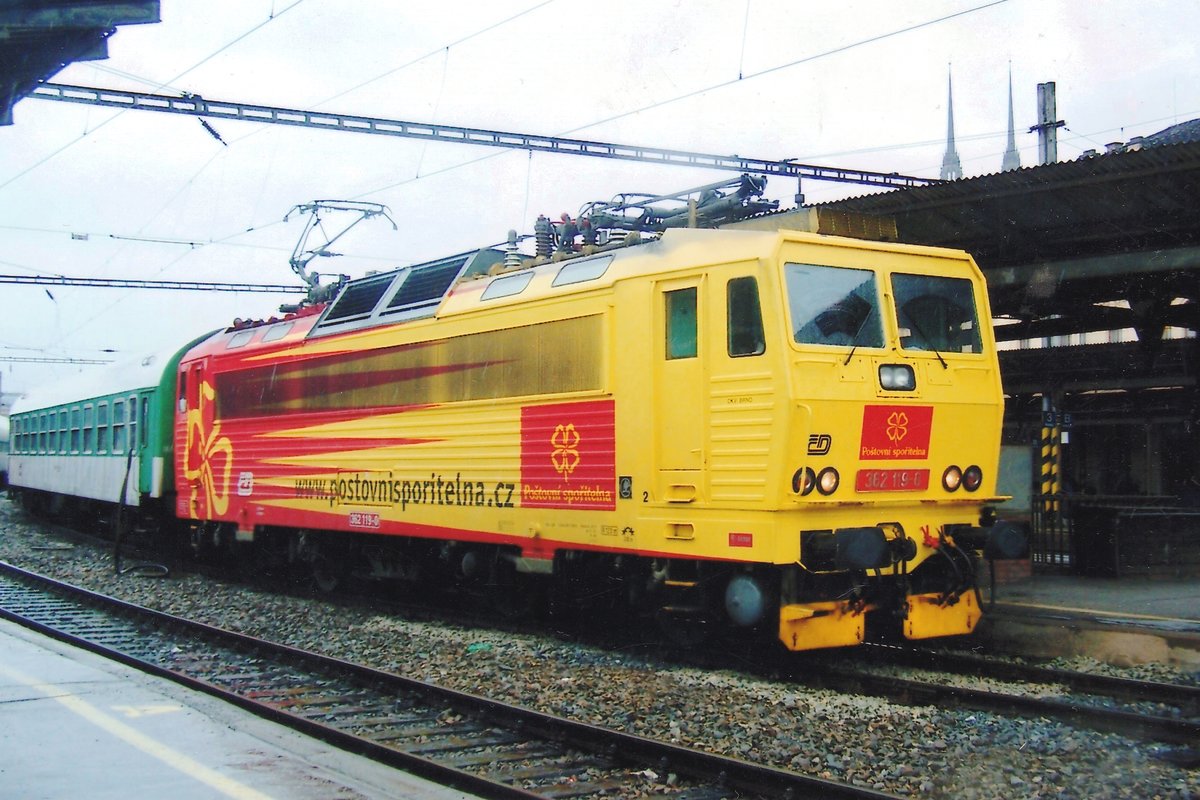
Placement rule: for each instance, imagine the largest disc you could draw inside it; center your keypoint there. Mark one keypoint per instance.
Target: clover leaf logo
(565, 457)
(897, 426)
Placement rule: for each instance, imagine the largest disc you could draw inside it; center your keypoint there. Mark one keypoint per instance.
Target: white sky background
(122, 178)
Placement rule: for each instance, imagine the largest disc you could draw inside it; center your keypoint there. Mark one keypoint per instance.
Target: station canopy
(38, 38)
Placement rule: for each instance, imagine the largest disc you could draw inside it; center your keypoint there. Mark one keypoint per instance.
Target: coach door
(680, 382)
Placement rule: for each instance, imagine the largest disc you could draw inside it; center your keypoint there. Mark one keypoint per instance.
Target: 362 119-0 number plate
(891, 480)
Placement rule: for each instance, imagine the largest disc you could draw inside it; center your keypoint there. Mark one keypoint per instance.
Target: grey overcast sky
(89, 191)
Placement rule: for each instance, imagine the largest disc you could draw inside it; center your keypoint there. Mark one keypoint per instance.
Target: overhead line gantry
(197, 106)
(126, 283)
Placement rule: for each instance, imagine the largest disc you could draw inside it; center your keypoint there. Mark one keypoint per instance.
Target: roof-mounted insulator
(512, 257)
(543, 237)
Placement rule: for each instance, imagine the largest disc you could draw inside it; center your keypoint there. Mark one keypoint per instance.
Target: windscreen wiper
(929, 342)
(854, 342)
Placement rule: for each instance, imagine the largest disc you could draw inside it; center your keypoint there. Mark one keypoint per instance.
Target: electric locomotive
(778, 430)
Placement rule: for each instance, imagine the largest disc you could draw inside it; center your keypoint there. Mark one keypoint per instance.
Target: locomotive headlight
(897, 377)
(804, 480)
(828, 480)
(972, 478)
(952, 478)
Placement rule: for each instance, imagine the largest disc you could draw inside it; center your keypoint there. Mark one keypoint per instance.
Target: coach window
(145, 413)
(102, 428)
(89, 428)
(681, 323)
(43, 435)
(63, 441)
(133, 421)
(745, 319)
(76, 429)
(118, 426)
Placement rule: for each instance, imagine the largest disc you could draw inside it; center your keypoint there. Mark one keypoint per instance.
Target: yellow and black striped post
(1050, 464)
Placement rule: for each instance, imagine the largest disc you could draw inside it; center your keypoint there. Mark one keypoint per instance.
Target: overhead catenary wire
(778, 67)
(392, 71)
(696, 92)
(168, 202)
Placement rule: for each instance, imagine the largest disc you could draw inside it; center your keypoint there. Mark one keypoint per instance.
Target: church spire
(951, 166)
(1012, 159)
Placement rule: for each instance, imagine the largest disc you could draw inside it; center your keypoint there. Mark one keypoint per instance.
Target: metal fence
(1081, 533)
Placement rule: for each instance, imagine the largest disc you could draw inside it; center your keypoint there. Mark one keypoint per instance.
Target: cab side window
(681, 323)
(744, 318)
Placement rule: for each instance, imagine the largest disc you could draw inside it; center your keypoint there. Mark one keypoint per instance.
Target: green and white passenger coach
(82, 438)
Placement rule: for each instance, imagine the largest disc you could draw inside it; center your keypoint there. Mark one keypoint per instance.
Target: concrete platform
(77, 725)
(1123, 621)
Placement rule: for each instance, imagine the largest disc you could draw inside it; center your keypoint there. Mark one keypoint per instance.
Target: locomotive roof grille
(359, 298)
(425, 284)
(403, 294)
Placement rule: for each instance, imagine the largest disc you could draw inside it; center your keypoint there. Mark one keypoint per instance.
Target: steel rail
(1129, 689)
(627, 750)
(919, 692)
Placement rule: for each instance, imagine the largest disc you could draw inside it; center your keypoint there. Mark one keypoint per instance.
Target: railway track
(464, 741)
(1103, 703)
(1185, 698)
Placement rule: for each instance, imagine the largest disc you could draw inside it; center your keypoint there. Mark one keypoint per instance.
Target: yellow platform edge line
(172, 758)
(1096, 611)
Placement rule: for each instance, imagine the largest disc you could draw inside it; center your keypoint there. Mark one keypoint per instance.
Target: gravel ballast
(907, 750)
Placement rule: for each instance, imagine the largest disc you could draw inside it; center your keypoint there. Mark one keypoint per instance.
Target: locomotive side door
(680, 381)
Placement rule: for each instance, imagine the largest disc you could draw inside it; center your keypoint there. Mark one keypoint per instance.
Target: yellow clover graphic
(565, 457)
(204, 447)
(897, 426)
